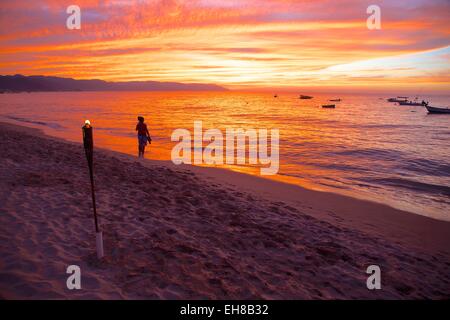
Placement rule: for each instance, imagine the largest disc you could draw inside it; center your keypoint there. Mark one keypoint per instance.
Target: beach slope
(198, 233)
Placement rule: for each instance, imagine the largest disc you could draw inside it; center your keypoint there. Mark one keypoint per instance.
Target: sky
(239, 44)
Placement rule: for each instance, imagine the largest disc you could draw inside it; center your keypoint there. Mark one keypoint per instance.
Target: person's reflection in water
(143, 136)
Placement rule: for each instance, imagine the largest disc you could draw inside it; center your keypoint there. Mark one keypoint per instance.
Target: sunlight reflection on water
(366, 147)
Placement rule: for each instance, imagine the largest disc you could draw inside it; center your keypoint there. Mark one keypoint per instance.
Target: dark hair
(141, 119)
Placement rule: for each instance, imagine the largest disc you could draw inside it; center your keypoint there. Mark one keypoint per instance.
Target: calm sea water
(366, 147)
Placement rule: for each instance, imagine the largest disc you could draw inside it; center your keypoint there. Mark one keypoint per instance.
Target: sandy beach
(183, 232)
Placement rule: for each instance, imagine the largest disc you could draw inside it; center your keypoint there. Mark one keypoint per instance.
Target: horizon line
(343, 89)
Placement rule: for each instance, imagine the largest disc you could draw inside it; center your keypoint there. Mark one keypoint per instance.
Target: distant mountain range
(19, 83)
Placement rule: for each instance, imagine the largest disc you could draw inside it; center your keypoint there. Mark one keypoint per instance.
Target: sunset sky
(239, 44)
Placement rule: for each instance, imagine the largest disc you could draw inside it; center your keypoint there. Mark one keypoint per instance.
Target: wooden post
(88, 142)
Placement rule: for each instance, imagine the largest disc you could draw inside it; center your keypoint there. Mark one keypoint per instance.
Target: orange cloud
(238, 44)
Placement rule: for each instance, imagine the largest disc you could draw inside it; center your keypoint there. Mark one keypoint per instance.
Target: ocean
(366, 147)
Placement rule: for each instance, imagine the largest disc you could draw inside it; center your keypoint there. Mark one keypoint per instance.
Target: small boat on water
(275, 96)
(398, 99)
(329, 106)
(413, 103)
(335, 100)
(437, 110)
(305, 97)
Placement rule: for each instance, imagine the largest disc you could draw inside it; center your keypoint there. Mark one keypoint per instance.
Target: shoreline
(278, 178)
(214, 227)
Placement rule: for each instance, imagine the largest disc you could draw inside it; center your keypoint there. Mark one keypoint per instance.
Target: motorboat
(413, 103)
(437, 110)
(398, 99)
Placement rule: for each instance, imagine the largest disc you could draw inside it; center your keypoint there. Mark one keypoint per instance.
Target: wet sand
(183, 232)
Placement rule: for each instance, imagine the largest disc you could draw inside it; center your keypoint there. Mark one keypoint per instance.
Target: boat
(335, 100)
(329, 106)
(412, 103)
(275, 96)
(437, 110)
(305, 97)
(398, 99)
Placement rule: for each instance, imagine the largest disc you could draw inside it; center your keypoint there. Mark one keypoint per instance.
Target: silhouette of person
(143, 135)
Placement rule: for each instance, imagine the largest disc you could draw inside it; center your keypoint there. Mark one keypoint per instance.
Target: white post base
(99, 241)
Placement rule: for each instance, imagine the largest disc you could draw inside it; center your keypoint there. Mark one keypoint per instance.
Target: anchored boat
(438, 110)
(398, 99)
(413, 103)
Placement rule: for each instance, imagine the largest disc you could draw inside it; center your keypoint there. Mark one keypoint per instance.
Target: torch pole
(88, 142)
(91, 174)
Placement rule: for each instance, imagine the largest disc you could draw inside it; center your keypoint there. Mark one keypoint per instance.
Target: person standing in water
(143, 135)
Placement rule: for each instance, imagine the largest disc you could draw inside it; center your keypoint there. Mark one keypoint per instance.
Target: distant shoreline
(71, 91)
(21, 83)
